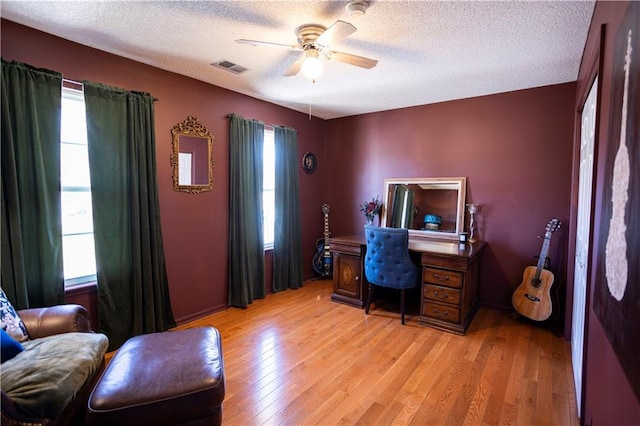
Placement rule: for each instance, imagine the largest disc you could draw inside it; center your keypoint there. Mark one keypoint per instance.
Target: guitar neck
(326, 230)
(543, 254)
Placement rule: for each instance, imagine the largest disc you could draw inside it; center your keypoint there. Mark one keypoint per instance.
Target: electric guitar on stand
(532, 298)
(322, 262)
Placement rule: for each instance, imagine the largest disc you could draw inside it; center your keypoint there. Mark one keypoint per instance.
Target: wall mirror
(427, 207)
(192, 158)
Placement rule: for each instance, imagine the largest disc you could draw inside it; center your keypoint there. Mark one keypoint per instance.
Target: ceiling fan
(314, 41)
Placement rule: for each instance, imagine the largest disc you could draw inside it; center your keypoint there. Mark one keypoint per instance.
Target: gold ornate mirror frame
(192, 157)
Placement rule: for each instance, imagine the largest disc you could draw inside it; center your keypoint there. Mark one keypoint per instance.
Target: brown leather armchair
(42, 322)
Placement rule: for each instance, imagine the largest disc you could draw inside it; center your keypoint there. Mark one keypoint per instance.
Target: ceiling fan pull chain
(310, 83)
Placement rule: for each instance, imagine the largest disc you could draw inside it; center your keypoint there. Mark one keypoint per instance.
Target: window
(268, 188)
(185, 159)
(78, 250)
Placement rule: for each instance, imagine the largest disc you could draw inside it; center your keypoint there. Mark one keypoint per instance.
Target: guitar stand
(320, 278)
(554, 322)
(549, 324)
(547, 261)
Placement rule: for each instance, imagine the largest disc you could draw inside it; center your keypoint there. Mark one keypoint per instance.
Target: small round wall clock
(309, 162)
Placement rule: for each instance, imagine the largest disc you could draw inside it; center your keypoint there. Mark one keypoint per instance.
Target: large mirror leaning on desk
(427, 207)
(192, 158)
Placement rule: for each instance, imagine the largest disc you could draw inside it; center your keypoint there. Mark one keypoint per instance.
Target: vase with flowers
(371, 209)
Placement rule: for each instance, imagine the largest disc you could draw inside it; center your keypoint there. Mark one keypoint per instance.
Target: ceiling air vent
(229, 66)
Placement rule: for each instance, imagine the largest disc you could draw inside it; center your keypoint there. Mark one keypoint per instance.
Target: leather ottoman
(170, 378)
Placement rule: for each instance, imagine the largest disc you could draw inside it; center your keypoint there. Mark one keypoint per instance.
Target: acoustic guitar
(532, 298)
(322, 262)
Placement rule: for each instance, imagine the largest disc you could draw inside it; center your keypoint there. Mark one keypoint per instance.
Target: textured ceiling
(428, 51)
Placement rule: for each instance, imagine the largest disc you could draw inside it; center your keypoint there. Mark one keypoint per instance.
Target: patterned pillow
(10, 321)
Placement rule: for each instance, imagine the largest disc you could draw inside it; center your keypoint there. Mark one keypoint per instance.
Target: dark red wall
(195, 226)
(608, 397)
(515, 149)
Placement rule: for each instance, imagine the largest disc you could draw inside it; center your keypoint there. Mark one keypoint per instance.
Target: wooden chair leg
(366, 311)
(402, 305)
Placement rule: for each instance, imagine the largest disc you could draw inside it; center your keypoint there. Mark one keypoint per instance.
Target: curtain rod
(76, 83)
(79, 83)
(266, 126)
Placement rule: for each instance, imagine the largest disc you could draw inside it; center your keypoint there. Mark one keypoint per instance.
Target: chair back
(387, 262)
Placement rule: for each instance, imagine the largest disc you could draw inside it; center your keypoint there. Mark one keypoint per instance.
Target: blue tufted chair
(387, 263)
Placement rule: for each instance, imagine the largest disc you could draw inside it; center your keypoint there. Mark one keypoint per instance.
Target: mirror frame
(446, 183)
(191, 127)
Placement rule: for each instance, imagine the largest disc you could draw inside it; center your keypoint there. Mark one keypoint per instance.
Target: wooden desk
(449, 278)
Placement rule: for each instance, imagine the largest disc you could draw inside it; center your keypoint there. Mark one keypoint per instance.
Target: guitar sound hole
(536, 282)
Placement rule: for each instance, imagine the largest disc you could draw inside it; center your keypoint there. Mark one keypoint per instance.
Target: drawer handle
(357, 278)
(439, 296)
(443, 278)
(440, 313)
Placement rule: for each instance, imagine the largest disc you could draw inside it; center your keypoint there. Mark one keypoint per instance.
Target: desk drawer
(442, 277)
(442, 294)
(442, 312)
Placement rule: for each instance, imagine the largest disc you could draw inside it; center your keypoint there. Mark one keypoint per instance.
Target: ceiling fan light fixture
(312, 66)
(357, 7)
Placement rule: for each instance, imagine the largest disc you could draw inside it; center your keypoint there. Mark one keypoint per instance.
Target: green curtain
(398, 204)
(398, 220)
(287, 244)
(246, 240)
(133, 291)
(32, 267)
(409, 217)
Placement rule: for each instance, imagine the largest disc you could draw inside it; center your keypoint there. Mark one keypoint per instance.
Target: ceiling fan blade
(267, 43)
(295, 68)
(335, 32)
(348, 58)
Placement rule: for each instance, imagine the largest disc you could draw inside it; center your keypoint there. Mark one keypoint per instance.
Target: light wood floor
(297, 358)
